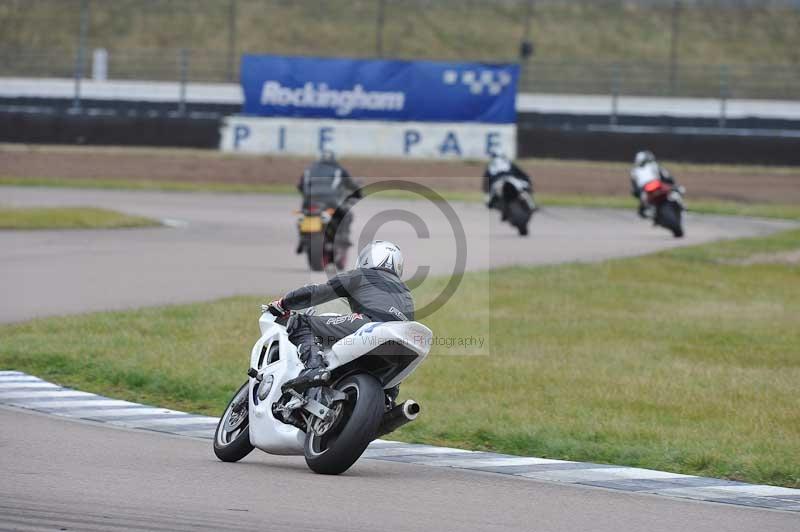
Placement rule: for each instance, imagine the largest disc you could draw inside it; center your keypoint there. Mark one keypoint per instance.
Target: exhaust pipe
(397, 417)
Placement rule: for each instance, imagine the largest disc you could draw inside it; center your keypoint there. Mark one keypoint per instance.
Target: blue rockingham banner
(423, 91)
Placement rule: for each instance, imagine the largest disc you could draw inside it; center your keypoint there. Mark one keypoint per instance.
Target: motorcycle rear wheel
(314, 252)
(334, 452)
(232, 437)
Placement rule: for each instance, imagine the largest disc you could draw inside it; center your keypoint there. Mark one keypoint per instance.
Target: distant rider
(375, 293)
(646, 169)
(327, 184)
(499, 167)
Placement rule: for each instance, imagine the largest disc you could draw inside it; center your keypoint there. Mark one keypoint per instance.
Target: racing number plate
(311, 224)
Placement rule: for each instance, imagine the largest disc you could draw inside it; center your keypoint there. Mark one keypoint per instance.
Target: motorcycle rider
(499, 167)
(328, 184)
(646, 169)
(375, 293)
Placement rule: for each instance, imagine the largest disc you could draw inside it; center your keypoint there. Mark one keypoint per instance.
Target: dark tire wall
(110, 130)
(202, 130)
(705, 147)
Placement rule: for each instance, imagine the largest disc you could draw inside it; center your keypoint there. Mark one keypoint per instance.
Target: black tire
(333, 453)
(677, 231)
(233, 445)
(314, 251)
(669, 216)
(341, 258)
(519, 215)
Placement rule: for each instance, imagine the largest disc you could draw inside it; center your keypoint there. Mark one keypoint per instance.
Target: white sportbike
(330, 425)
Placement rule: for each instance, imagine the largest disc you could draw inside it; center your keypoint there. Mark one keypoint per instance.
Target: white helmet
(644, 157)
(499, 164)
(381, 254)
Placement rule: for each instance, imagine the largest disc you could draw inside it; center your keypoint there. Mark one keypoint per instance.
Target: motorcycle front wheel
(232, 437)
(519, 217)
(334, 451)
(669, 216)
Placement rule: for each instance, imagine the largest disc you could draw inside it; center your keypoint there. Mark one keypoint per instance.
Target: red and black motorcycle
(665, 202)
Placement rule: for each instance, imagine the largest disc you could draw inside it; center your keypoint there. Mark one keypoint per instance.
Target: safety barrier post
(183, 61)
(80, 54)
(616, 82)
(231, 39)
(673, 47)
(723, 94)
(379, 23)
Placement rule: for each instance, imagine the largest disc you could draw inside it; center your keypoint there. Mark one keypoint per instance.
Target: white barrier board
(423, 140)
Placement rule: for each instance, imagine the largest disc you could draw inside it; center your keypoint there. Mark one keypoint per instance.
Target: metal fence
(701, 48)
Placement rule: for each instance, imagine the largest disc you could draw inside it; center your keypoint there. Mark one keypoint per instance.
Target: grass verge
(752, 33)
(68, 218)
(765, 210)
(683, 361)
(700, 206)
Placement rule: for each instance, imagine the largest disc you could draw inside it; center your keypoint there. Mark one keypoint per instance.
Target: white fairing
(276, 437)
(266, 432)
(414, 338)
(644, 174)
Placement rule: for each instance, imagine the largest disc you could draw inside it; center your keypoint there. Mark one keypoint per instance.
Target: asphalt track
(62, 474)
(228, 244)
(70, 475)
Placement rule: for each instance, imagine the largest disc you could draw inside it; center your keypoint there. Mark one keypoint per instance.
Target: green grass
(137, 184)
(701, 206)
(682, 361)
(25, 218)
(704, 206)
(143, 37)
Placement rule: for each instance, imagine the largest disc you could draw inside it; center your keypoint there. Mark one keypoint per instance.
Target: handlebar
(273, 310)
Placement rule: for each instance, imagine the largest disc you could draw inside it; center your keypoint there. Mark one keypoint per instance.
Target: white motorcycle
(330, 425)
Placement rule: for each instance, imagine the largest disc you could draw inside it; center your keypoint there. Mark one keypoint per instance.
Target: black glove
(276, 309)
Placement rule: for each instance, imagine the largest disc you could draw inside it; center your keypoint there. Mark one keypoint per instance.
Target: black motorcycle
(513, 197)
(317, 227)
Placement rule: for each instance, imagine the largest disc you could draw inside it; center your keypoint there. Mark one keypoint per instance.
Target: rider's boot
(315, 374)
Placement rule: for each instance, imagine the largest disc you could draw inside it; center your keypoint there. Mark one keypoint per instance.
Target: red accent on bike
(652, 186)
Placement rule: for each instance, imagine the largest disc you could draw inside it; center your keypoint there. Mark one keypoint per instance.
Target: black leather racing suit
(326, 182)
(331, 186)
(374, 295)
(489, 178)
